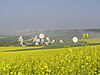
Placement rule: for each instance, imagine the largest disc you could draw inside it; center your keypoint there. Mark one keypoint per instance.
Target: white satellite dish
(20, 39)
(61, 41)
(42, 40)
(47, 38)
(75, 39)
(38, 40)
(41, 35)
(53, 41)
(35, 38)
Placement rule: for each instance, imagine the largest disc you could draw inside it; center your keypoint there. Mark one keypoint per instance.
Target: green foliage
(62, 61)
(85, 35)
(9, 41)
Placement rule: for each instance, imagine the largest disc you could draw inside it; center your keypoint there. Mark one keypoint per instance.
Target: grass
(92, 40)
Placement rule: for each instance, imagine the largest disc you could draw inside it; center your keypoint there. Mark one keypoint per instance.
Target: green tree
(85, 36)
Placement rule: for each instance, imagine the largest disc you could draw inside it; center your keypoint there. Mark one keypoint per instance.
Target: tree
(85, 36)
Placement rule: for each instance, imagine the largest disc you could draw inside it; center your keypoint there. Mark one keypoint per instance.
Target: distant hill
(93, 30)
(93, 33)
(65, 35)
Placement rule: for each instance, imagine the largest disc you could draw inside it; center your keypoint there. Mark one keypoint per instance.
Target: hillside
(65, 35)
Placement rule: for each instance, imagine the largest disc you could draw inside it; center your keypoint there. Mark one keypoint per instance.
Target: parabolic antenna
(53, 41)
(41, 35)
(47, 38)
(75, 39)
(20, 39)
(61, 41)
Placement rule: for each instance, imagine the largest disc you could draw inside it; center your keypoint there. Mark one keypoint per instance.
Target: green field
(84, 60)
(92, 40)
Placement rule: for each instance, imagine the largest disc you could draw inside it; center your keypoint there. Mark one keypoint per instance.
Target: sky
(30, 15)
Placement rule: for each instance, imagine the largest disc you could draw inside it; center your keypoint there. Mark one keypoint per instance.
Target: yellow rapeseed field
(83, 60)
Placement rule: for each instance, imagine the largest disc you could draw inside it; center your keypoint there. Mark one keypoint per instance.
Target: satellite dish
(41, 35)
(61, 41)
(20, 39)
(38, 40)
(47, 38)
(53, 41)
(75, 39)
(35, 38)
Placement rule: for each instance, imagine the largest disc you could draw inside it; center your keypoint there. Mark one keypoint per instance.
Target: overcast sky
(26, 15)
